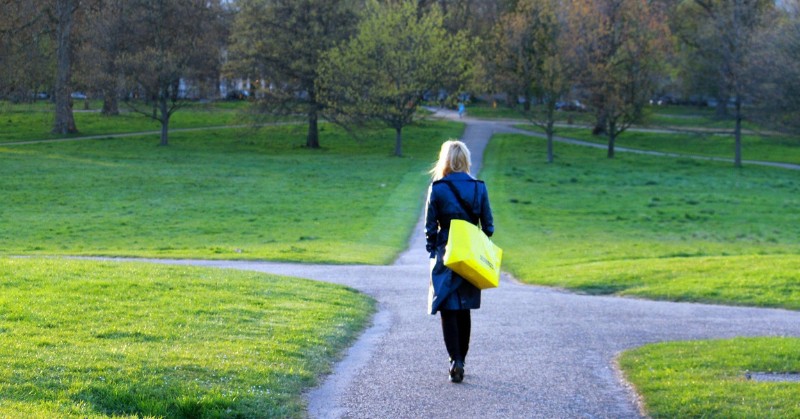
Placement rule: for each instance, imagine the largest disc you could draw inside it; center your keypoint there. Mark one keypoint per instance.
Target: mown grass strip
(89, 339)
(222, 194)
(708, 378)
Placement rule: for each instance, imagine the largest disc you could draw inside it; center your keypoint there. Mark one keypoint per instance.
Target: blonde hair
(453, 157)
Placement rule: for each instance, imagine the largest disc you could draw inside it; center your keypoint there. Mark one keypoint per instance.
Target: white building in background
(227, 89)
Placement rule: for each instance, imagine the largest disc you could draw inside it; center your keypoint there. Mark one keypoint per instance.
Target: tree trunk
(612, 137)
(511, 100)
(110, 103)
(722, 108)
(398, 140)
(312, 139)
(600, 124)
(110, 90)
(549, 130)
(737, 133)
(64, 120)
(164, 122)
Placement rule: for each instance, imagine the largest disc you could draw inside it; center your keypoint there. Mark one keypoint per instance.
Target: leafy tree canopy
(399, 54)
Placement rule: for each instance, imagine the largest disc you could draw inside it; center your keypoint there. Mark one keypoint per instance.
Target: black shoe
(456, 371)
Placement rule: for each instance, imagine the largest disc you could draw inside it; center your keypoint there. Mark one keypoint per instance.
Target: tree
(169, 42)
(528, 59)
(222, 22)
(397, 57)
(477, 17)
(57, 19)
(98, 57)
(721, 34)
(64, 17)
(281, 42)
(26, 50)
(617, 45)
(774, 65)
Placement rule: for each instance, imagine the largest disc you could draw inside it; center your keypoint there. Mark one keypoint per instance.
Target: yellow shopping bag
(472, 255)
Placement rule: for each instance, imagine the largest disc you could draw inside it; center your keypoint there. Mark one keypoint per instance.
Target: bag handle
(464, 204)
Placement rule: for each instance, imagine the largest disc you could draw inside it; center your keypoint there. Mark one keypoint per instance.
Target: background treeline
(359, 61)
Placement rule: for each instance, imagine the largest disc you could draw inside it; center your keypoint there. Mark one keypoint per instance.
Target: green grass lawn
(678, 116)
(25, 122)
(229, 194)
(653, 227)
(485, 110)
(776, 148)
(87, 339)
(707, 378)
(662, 228)
(752, 280)
(687, 117)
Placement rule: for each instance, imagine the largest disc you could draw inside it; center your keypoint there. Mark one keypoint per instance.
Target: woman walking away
(454, 194)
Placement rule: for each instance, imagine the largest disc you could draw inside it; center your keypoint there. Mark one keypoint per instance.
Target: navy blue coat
(447, 289)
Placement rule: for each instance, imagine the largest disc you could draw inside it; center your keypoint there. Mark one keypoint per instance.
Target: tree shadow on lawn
(159, 393)
(601, 289)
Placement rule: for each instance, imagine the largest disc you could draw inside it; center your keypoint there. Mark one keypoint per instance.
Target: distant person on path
(450, 294)
(461, 109)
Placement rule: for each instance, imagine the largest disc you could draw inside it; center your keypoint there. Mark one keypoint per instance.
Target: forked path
(536, 352)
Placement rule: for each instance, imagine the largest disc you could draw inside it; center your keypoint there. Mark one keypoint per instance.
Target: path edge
(324, 401)
(634, 396)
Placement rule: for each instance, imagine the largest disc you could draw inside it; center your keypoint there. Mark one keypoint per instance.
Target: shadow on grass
(156, 394)
(153, 400)
(601, 289)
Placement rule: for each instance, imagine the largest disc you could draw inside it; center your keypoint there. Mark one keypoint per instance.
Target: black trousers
(456, 325)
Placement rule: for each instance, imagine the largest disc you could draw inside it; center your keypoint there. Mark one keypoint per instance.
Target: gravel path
(535, 353)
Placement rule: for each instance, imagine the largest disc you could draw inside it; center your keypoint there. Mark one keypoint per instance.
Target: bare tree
(168, 42)
(477, 17)
(528, 58)
(617, 46)
(282, 42)
(26, 50)
(64, 18)
(104, 44)
(720, 37)
(774, 67)
(57, 19)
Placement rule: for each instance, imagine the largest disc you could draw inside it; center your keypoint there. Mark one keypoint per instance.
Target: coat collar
(458, 176)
